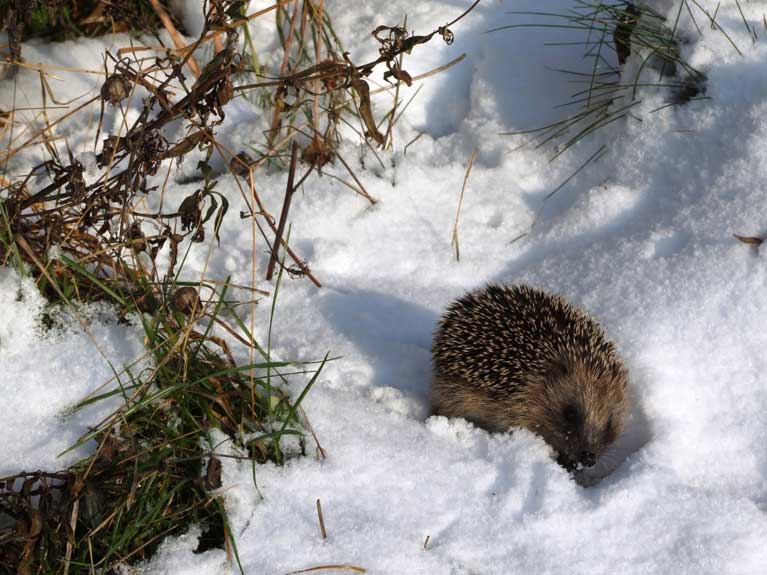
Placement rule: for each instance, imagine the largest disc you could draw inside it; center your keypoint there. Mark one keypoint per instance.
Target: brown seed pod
(240, 164)
(137, 237)
(186, 300)
(318, 152)
(115, 89)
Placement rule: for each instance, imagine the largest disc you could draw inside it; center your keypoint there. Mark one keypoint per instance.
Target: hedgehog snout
(581, 446)
(574, 456)
(583, 460)
(587, 458)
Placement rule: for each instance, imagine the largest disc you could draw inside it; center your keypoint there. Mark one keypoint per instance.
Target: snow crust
(642, 239)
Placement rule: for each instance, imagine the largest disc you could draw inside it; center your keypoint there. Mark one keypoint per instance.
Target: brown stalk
(270, 221)
(284, 215)
(277, 112)
(261, 209)
(70, 540)
(218, 43)
(319, 15)
(320, 451)
(306, 75)
(46, 67)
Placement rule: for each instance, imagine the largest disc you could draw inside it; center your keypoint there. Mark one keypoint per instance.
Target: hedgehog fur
(516, 356)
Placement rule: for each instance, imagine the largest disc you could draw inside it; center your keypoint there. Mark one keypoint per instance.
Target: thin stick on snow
(455, 243)
(324, 567)
(322, 520)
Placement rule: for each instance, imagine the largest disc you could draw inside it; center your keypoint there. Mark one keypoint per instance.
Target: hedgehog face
(578, 441)
(583, 413)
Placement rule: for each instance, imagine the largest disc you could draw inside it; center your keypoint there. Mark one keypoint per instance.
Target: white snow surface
(642, 239)
(44, 372)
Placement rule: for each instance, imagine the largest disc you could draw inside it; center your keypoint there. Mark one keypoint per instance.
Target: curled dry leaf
(225, 92)
(188, 144)
(115, 89)
(399, 74)
(447, 35)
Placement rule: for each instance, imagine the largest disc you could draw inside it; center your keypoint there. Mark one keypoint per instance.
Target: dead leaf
(366, 110)
(213, 474)
(750, 240)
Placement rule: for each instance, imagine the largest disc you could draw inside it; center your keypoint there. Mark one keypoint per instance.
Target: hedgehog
(518, 357)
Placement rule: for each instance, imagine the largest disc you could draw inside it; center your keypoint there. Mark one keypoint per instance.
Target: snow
(642, 239)
(44, 372)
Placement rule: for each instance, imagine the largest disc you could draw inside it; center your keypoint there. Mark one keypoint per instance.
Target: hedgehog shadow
(392, 333)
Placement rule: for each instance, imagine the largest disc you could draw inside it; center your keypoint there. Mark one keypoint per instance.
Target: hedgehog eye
(559, 370)
(571, 415)
(609, 433)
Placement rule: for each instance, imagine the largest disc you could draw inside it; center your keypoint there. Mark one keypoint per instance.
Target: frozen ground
(642, 239)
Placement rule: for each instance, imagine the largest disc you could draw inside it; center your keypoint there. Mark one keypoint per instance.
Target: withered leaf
(35, 524)
(400, 75)
(187, 144)
(750, 240)
(410, 42)
(366, 110)
(213, 474)
(318, 152)
(220, 217)
(211, 209)
(189, 210)
(225, 92)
